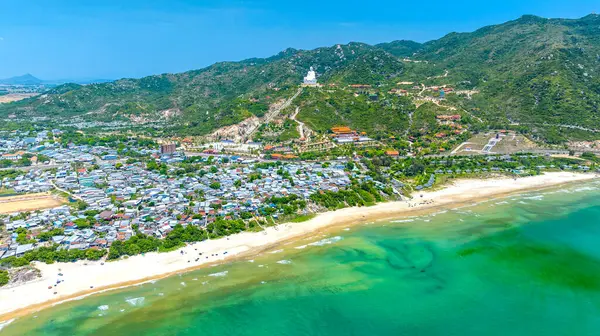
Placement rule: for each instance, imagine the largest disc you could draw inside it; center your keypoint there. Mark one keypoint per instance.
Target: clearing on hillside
(13, 97)
(495, 142)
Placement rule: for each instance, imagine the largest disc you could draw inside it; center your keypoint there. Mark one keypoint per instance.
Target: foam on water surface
(326, 241)
(136, 301)
(5, 323)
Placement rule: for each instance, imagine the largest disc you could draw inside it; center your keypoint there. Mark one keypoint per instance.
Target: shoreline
(27, 298)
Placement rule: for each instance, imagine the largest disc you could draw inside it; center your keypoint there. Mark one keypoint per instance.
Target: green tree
(82, 223)
(4, 278)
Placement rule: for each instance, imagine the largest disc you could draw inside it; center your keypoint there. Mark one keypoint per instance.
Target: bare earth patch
(505, 144)
(29, 202)
(13, 97)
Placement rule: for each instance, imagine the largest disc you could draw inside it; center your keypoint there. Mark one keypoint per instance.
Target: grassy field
(505, 144)
(29, 202)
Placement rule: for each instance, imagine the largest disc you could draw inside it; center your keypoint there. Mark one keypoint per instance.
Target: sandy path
(29, 202)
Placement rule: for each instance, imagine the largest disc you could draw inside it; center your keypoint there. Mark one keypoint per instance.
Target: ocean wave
(346, 229)
(585, 189)
(5, 323)
(251, 260)
(300, 247)
(261, 265)
(136, 301)
(219, 274)
(326, 241)
(276, 251)
(535, 198)
(103, 307)
(183, 284)
(502, 202)
(403, 221)
(284, 262)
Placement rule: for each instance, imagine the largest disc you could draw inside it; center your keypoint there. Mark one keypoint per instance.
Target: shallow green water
(524, 265)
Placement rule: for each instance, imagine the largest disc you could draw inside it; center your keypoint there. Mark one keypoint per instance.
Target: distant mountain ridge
(529, 71)
(29, 79)
(26, 79)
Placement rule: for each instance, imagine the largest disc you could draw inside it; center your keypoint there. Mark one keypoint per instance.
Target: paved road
(566, 126)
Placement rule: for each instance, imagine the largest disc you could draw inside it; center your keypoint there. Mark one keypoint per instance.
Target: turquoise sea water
(522, 265)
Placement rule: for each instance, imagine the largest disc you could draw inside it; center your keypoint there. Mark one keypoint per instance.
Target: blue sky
(75, 39)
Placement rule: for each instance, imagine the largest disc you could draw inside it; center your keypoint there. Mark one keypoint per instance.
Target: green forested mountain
(214, 96)
(531, 70)
(322, 109)
(543, 74)
(401, 48)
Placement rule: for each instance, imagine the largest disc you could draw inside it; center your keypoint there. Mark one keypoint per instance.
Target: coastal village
(110, 197)
(119, 196)
(459, 172)
(103, 192)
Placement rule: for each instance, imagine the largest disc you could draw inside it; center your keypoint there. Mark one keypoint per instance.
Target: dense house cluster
(120, 198)
(31, 182)
(15, 141)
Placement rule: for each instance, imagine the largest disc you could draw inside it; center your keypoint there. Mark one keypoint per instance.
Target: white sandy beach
(78, 277)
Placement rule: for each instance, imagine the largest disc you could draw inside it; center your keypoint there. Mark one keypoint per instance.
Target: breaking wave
(136, 301)
(535, 198)
(326, 241)
(5, 323)
(403, 221)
